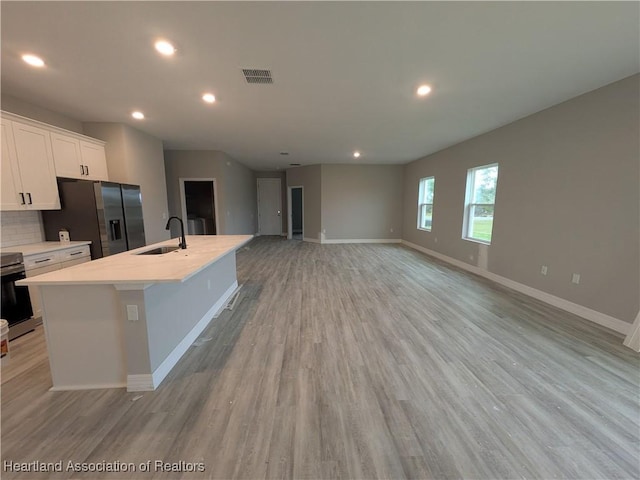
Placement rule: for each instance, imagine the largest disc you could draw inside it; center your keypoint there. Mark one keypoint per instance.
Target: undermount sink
(159, 250)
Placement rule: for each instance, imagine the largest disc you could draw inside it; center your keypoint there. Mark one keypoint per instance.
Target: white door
(269, 206)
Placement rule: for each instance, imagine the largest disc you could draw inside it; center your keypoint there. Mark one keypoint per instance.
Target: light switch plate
(132, 313)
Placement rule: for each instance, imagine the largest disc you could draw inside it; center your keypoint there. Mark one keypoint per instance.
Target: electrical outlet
(132, 313)
(435, 239)
(543, 270)
(470, 257)
(391, 230)
(164, 215)
(575, 278)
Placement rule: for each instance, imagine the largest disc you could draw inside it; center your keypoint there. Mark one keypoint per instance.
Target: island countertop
(131, 268)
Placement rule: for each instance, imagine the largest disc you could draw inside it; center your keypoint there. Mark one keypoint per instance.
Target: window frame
(467, 223)
(422, 185)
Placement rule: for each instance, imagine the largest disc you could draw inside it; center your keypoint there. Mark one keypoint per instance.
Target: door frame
(183, 200)
(258, 202)
(290, 211)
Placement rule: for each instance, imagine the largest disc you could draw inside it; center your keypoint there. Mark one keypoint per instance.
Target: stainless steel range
(16, 305)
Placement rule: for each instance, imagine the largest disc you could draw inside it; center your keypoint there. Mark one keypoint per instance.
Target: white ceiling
(345, 73)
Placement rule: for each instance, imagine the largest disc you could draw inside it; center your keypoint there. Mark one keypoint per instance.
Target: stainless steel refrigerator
(108, 214)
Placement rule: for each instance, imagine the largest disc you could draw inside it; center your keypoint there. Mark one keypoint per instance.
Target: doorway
(269, 206)
(295, 199)
(199, 201)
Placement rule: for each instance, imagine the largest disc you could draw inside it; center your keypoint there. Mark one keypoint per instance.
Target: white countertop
(43, 247)
(129, 268)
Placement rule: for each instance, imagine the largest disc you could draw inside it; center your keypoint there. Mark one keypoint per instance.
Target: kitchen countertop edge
(64, 277)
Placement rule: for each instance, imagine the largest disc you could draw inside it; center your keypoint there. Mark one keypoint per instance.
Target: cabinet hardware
(75, 253)
(43, 260)
(87, 167)
(81, 169)
(22, 198)
(29, 195)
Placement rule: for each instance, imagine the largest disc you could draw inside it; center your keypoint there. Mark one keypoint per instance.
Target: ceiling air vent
(254, 75)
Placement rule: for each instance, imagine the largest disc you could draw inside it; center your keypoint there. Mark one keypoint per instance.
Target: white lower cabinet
(50, 262)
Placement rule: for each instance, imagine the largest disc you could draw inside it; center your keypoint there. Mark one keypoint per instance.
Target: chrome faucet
(183, 243)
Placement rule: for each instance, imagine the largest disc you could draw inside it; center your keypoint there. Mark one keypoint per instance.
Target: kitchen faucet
(183, 243)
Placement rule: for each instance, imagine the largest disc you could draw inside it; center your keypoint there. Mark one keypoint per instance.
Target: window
(425, 203)
(479, 203)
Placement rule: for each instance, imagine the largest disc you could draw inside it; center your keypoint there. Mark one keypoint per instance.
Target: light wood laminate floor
(353, 361)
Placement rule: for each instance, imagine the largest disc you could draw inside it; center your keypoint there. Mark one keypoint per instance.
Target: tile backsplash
(18, 228)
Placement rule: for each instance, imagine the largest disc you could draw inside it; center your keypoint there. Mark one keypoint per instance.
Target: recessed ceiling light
(33, 60)
(356, 154)
(424, 90)
(209, 97)
(165, 48)
(138, 115)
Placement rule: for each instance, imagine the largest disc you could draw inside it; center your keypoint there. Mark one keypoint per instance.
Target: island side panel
(85, 339)
(136, 339)
(174, 314)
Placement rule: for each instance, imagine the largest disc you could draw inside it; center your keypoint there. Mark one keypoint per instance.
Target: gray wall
(283, 182)
(236, 186)
(567, 197)
(136, 157)
(20, 107)
(310, 178)
(362, 201)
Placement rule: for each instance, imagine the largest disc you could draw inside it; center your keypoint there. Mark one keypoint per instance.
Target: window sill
(475, 240)
(424, 229)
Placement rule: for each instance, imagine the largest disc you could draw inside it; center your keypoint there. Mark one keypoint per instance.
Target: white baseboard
(63, 388)
(312, 240)
(603, 319)
(146, 382)
(633, 337)
(363, 240)
(140, 383)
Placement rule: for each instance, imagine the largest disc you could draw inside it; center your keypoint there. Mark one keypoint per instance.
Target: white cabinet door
(66, 156)
(10, 175)
(94, 161)
(37, 169)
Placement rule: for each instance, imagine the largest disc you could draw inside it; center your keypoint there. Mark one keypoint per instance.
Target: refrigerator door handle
(87, 168)
(81, 169)
(22, 199)
(29, 195)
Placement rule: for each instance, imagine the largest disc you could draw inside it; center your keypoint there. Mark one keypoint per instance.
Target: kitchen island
(126, 319)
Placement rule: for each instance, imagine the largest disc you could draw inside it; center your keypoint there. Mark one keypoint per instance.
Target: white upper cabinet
(78, 158)
(34, 154)
(66, 155)
(10, 174)
(33, 174)
(94, 160)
